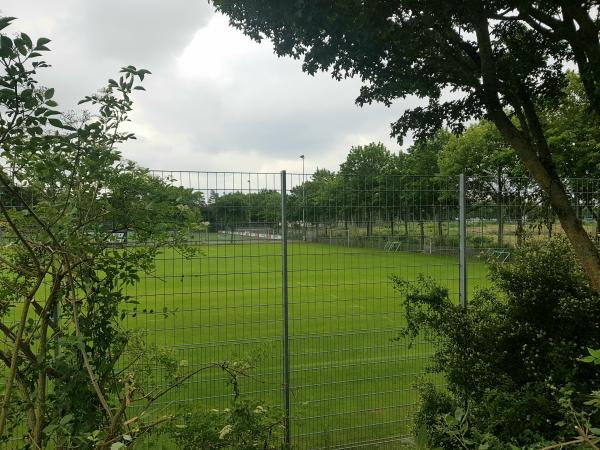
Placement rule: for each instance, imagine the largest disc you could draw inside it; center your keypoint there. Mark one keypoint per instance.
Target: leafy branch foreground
(74, 376)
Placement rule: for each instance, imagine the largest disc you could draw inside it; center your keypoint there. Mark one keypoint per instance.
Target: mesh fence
(302, 288)
(351, 384)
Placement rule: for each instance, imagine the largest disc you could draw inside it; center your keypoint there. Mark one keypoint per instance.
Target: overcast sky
(216, 99)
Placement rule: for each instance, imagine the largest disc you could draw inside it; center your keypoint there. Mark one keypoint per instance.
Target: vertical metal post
(462, 233)
(284, 295)
(303, 200)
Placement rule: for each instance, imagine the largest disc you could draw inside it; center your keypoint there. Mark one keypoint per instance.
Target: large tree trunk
(548, 180)
(520, 232)
(530, 144)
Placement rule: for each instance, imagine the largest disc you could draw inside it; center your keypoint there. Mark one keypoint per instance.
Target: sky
(216, 100)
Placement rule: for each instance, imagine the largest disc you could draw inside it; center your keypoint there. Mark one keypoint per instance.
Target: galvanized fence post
(462, 232)
(284, 295)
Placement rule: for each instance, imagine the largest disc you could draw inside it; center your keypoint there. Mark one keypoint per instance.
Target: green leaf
(26, 40)
(117, 446)
(5, 21)
(6, 45)
(142, 72)
(49, 93)
(66, 419)
(55, 123)
(51, 103)
(40, 44)
(459, 414)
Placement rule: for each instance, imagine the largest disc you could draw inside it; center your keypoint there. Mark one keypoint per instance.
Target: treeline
(386, 193)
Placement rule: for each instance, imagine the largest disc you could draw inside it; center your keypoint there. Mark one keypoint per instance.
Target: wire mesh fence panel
(217, 298)
(352, 382)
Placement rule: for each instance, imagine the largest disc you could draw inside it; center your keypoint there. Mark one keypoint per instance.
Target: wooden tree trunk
(520, 230)
(531, 146)
(547, 178)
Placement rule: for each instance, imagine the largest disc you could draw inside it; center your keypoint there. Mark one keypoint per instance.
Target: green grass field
(351, 382)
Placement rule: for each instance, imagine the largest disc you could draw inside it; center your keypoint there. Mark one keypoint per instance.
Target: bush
(245, 425)
(507, 356)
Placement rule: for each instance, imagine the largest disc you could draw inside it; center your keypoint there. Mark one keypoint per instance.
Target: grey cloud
(265, 114)
(137, 31)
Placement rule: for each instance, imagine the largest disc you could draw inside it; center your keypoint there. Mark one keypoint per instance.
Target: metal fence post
(462, 232)
(284, 295)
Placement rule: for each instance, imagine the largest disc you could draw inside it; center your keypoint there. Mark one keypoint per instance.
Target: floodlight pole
(249, 207)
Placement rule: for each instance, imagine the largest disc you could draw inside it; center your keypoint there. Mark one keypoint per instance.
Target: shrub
(245, 425)
(506, 357)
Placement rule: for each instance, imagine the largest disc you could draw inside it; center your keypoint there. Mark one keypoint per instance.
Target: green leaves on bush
(506, 358)
(245, 425)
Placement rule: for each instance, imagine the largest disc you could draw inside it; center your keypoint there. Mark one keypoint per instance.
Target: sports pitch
(351, 382)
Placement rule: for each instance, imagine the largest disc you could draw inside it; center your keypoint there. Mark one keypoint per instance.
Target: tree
(160, 203)
(495, 174)
(315, 200)
(471, 48)
(573, 133)
(228, 211)
(362, 176)
(422, 189)
(572, 22)
(574, 137)
(265, 208)
(62, 284)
